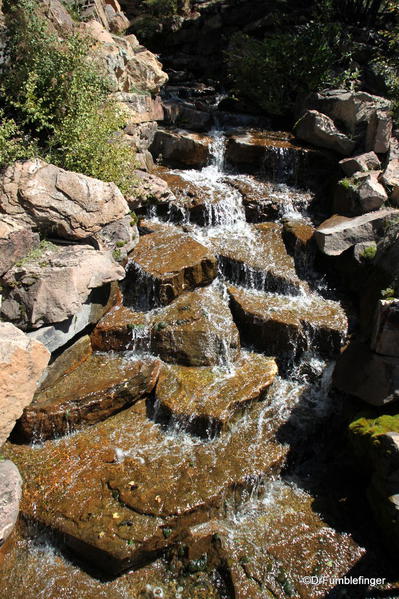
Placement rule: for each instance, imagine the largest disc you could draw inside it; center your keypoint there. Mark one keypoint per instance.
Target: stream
(253, 514)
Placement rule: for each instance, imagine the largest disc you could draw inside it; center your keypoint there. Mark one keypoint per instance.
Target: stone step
(203, 401)
(257, 259)
(122, 491)
(181, 149)
(196, 329)
(163, 265)
(285, 326)
(99, 387)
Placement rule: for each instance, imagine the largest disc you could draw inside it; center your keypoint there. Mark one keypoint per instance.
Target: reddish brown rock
(98, 388)
(279, 324)
(181, 149)
(204, 401)
(165, 264)
(122, 491)
(66, 362)
(120, 329)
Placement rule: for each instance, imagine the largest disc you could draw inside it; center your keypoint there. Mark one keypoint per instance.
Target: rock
(144, 160)
(150, 190)
(379, 131)
(139, 108)
(163, 265)
(277, 324)
(181, 149)
(184, 115)
(279, 158)
(362, 163)
(22, 361)
(319, 130)
(10, 497)
(369, 376)
(130, 491)
(140, 137)
(69, 360)
(117, 20)
(259, 260)
(128, 65)
(58, 202)
(120, 237)
(203, 401)
(197, 329)
(54, 284)
(58, 15)
(390, 180)
(123, 329)
(16, 241)
(360, 194)
(339, 233)
(385, 335)
(350, 109)
(297, 233)
(95, 390)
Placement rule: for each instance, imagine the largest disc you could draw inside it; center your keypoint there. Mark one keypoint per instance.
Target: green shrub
(60, 99)
(13, 144)
(271, 72)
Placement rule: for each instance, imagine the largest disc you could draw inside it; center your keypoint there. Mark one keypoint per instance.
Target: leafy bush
(271, 72)
(13, 144)
(60, 99)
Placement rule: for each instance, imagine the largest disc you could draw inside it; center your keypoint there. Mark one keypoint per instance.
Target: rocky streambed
(171, 453)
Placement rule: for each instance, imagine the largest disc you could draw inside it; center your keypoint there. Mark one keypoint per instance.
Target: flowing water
(266, 536)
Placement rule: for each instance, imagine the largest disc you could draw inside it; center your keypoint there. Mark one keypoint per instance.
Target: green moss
(120, 244)
(373, 427)
(117, 255)
(369, 252)
(37, 253)
(388, 293)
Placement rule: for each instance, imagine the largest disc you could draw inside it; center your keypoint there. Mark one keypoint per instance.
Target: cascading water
(267, 529)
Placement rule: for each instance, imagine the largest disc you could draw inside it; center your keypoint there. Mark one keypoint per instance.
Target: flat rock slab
(10, 496)
(258, 259)
(99, 387)
(282, 325)
(122, 490)
(339, 233)
(204, 400)
(167, 263)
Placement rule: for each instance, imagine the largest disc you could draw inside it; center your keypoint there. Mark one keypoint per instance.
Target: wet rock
(59, 202)
(320, 130)
(360, 194)
(119, 506)
(185, 115)
(54, 284)
(390, 180)
(164, 264)
(297, 233)
(22, 361)
(16, 241)
(203, 400)
(379, 131)
(70, 359)
(285, 326)
(10, 497)
(99, 387)
(181, 149)
(197, 329)
(257, 259)
(339, 233)
(362, 163)
(385, 335)
(369, 376)
(122, 329)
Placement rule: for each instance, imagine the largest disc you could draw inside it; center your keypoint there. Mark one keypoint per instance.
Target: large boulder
(385, 335)
(10, 496)
(339, 233)
(390, 180)
(16, 241)
(54, 282)
(58, 202)
(181, 149)
(320, 130)
(379, 131)
(22, 362)
(139, 108)
(350, 109)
